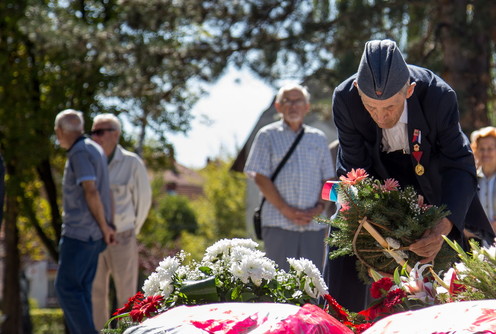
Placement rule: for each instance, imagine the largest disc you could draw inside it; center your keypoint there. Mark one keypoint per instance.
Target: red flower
(381, 287)
(456, 288)
(145, 308)
(137, 298)
(337, 310)
(355, 176)
(393, 298)
(374, 311)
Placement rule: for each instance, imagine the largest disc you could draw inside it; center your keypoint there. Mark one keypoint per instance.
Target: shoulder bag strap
(286, 157)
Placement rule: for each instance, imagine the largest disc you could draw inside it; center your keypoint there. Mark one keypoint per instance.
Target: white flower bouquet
(232, 270)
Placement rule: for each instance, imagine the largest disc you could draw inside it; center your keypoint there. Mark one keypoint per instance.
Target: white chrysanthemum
(240, 253)
(238, 272)
(168, 267)
(306, 267)
(223, 247)
(311, 291)
(152, 285)
(166, 288)
(257, 269)
(160, 281)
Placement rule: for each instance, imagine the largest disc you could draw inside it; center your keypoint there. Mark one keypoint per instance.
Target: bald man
(87, 220)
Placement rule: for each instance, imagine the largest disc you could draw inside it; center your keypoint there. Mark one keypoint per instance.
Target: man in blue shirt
(87, 220)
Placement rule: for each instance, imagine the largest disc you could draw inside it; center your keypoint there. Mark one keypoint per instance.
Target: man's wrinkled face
(106, 134)
(293, 107)
(386, 113)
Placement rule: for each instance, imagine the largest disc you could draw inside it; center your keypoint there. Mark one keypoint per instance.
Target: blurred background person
(87, 220)
(293, 198)
(132, 196)
(483, 143)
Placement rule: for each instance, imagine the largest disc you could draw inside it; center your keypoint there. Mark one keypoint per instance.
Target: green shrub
(47, 321)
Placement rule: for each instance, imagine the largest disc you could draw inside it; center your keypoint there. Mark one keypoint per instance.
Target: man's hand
(109, 235)
(302, 217)
(430, 243)
(299, 217)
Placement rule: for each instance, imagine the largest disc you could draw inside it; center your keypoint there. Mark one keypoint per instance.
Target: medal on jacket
(417, 153)
(419, 169)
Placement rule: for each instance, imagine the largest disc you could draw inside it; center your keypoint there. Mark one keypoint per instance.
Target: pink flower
(420, 203)
(354, 176)
(344, 207)
(390, 185)
(417, 286)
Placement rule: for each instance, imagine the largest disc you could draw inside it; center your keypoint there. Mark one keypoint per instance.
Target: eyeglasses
(100, 132)
(296, 103)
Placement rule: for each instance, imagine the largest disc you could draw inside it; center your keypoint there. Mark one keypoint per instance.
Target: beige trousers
(120, 261)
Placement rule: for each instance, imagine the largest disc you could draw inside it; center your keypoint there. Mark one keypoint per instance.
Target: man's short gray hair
(292, 86)
(70, 120)
(108, 117)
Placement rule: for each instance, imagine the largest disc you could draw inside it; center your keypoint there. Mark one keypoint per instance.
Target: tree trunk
(463, 33)
(11, 306)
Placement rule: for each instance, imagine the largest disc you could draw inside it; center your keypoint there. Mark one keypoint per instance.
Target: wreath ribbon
(378, 237)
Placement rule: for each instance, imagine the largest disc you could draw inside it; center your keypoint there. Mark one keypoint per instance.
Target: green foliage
(223, 206)
(170, 215)
(476, 272)
(47, 321)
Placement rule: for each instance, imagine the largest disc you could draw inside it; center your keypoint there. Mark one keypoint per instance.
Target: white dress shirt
(396, 138)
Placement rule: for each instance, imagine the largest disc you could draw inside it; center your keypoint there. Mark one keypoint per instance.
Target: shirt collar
(286, 127)
(82, 137)
(404, 114)
(117, 153)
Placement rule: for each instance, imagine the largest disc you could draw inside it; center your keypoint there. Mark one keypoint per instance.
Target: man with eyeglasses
(293, 198)
(132, 199)
(87, 220)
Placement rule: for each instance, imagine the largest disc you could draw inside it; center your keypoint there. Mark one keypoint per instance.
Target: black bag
(257, 215)
(257, 222)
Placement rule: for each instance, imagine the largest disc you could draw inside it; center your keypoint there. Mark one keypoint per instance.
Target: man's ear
(410, 89)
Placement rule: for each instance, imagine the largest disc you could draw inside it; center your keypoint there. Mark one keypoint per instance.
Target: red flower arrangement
(389, 297)
(139, 307)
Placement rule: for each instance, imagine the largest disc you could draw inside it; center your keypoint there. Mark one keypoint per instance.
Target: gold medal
(419, 169)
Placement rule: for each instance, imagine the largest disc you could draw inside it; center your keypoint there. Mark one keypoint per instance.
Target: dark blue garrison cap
(382, 71)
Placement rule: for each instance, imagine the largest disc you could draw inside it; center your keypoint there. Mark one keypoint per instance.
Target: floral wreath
(378, 221)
